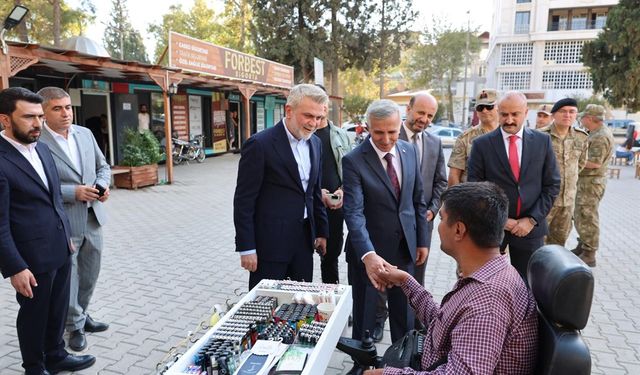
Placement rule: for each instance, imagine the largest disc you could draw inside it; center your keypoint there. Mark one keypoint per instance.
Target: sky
(142, 14)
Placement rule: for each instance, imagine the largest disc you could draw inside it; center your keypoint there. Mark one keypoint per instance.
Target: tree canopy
(614, 57)
(120, 38)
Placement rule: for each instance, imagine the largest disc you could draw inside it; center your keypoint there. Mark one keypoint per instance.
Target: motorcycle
(188, 151)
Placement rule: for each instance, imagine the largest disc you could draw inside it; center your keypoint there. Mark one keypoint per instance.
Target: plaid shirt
(486, 325)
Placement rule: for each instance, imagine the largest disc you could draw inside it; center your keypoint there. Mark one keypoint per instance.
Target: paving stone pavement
(169, 257)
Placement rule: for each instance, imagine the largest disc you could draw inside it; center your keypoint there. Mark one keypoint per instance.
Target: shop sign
(180, 116)
(219, 131)
(197, 56)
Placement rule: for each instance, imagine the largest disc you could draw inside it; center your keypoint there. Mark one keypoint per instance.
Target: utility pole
(463, 122)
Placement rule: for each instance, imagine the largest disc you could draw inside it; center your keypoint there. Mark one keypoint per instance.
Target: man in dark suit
(385, 212)
(522, 162)
(278, 212)
(420, 112)
(37, 261)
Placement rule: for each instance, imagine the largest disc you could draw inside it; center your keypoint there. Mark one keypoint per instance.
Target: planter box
(135, 177)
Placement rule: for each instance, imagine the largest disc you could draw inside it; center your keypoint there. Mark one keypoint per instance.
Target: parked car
(619, 126)
(447, 135)
(350, 127)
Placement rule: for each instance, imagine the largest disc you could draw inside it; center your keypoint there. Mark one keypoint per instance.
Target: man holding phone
(84, 178)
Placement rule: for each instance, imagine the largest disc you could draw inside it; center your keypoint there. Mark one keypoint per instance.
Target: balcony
(580, 24)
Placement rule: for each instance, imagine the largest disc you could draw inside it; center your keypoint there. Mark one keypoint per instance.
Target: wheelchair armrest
(365, 355)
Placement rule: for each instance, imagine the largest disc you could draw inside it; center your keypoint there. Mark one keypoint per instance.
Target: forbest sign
(202, 57)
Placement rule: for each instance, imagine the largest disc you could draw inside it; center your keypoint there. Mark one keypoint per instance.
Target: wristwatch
(532, 221)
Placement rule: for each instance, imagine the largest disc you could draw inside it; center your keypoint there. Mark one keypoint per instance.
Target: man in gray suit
(84, 177)
(420, 113)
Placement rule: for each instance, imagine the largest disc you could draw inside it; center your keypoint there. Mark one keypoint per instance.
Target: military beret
(566, 102)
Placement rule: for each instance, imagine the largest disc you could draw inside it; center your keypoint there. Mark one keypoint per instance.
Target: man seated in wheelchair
(488, 323)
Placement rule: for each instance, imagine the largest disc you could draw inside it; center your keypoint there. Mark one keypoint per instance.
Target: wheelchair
(562, 286)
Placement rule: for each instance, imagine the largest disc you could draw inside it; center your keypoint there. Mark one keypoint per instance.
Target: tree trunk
(335, 82)
(450, 100)
(243, 21)
(383, 45)
(56, 23)
(301, 31)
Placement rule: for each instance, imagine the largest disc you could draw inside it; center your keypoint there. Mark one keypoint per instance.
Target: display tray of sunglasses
(278, 310)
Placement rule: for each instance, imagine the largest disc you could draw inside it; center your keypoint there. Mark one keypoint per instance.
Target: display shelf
(320, 356)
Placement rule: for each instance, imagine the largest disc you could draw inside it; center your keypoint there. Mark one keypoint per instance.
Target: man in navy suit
(522, 162)
(34, 236)
(278, 212)
(385, 212)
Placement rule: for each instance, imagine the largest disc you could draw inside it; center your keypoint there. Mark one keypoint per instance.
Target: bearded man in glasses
(488, 114)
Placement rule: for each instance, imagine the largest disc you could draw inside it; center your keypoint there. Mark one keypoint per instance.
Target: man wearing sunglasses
(488, 115)
(570, 146)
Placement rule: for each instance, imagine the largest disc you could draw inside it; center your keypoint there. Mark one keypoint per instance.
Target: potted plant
(141, 154)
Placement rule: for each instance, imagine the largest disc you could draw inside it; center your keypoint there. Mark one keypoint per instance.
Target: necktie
(391, 171)
(416, 144)
(515, 165)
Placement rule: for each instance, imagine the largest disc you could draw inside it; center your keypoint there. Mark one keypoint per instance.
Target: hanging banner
(202, 57)
(180, 116)
(219, 131)
(195, 115)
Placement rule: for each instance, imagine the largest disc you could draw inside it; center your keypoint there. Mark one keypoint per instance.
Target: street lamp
(13, 19)
(173, 89)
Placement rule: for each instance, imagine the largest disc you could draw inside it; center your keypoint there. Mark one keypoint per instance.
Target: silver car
(448, 136)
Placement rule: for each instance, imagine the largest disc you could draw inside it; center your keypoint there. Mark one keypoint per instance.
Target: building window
(523, 1)
(571, 79)
(516, 54)
(566, 52)
(522, 23)
(514, 80)
(579, 20)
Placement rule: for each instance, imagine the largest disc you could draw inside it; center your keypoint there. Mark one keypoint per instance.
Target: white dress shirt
(505, 138)
(29, 152)
(68, 145)
(418, 142)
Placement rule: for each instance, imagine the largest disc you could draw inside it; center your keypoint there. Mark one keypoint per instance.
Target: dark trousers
(520, 250)
(41, 320)
(365, 303)
(299, 267)
(329, 262)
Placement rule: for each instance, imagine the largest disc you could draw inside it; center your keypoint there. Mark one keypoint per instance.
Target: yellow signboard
(202, 57)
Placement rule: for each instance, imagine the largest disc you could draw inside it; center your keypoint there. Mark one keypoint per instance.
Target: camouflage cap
(545, 108)
(487, 97)
(594, 110)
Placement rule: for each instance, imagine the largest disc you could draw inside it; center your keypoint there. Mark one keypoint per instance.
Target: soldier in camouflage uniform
(592, 183)
(488, 114)
(570, 146)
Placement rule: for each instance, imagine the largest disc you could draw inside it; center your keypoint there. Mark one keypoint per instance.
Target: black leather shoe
(41, 372)
(91, 325)
(378, 333)
(72, 363)
(77, 340)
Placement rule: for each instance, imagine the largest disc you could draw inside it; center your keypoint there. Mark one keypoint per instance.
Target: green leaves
(140, 148)
(614, 57)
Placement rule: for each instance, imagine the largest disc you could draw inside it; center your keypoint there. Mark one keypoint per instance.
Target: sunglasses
(482, 107)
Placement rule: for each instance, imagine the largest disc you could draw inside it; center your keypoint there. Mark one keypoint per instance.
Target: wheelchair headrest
(562, 286)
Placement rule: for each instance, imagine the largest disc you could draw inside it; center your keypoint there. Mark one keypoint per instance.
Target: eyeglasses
(482, 107)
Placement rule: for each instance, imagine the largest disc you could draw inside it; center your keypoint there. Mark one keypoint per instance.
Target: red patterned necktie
(391, 171)
(515, 165)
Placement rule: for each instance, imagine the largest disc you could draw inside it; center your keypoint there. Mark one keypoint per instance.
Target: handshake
(382, 274)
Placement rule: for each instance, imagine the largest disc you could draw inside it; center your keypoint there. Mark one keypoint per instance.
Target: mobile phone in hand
(101, 190)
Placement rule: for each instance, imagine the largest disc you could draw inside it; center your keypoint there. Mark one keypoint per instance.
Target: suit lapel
(405, 166)
(82, 151)
(283, 149)
(48, 165)
(371, 157)
(501, 152)
(13, 156)
(314, 152)
(526, 154)
(57, 150)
